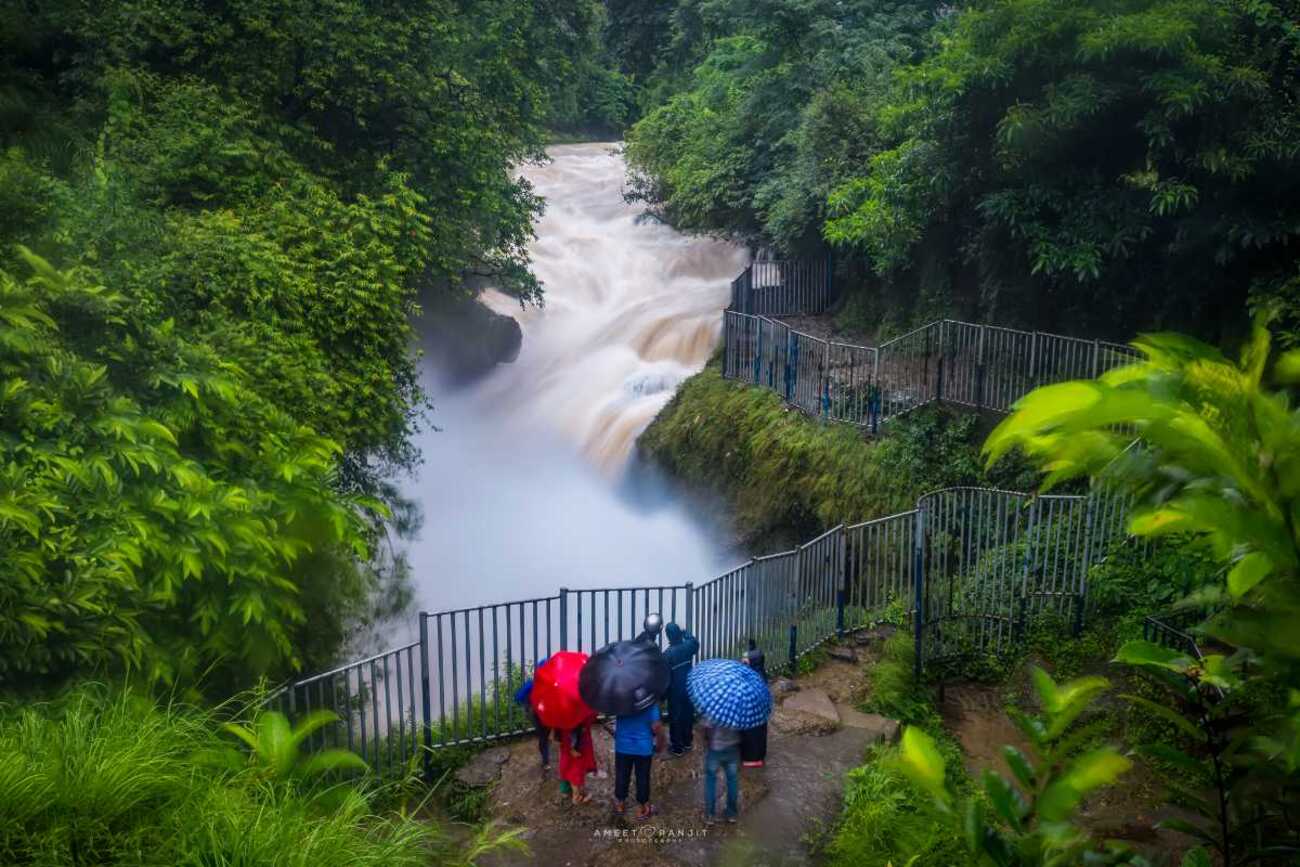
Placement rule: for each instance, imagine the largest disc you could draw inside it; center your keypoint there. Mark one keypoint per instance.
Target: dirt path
(977, 717)
(783, 805)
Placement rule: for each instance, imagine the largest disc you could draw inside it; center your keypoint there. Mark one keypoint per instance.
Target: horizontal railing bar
(488, 605)
(351, 665)
(908, 514)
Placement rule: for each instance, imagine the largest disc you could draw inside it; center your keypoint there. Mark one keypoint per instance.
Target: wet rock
(874, 635)
(465, 339)
(879, 729)
(797, 722)
(843, 654)
(484, 768)
(815, 702)
(784, 685)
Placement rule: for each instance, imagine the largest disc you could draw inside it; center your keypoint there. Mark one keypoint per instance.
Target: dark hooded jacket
(681, 649)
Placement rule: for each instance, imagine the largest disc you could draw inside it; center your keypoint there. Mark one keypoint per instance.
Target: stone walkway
(816, 737)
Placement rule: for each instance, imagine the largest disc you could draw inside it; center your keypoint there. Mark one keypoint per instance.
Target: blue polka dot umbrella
(730, 693)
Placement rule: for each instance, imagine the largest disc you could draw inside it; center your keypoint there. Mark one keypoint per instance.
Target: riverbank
(785, 477)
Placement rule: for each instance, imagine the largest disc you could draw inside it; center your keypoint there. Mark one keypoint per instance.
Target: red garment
(574, 769)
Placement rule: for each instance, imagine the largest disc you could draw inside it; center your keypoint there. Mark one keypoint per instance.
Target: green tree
(1070, 162)
(153, 508)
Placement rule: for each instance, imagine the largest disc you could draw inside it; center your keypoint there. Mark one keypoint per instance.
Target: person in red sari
(577, 760)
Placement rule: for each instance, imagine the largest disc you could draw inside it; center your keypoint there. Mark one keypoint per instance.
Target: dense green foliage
(1075, 165)
(157, 512)
(1219, 463)
(782, 471)
(96, 779)
(242, 205)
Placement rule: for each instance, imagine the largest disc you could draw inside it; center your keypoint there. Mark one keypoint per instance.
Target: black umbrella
(624, 677)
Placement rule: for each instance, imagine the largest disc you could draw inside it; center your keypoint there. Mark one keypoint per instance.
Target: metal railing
(969, 567)
(784, 287)
(984, 367)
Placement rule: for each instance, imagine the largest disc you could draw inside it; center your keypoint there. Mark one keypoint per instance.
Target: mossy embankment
(785, 477)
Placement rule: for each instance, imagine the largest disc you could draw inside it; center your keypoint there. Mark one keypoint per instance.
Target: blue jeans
(729, 761)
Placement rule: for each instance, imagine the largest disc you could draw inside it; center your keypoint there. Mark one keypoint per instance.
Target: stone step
(879, 729)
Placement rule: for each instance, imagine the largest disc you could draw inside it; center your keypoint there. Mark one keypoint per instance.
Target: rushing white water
(523, 489)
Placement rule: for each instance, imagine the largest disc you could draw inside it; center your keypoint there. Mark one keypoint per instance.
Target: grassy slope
(784, 473)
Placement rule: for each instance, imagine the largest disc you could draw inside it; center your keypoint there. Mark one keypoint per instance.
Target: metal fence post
(426, 698)
(839, 612)
(791, 363)
(1031, 534)
(794, 649)
(825, 370)
(979, 370)
(564, 618)
(938, 388)
(1033, 361)
(690, 607)
(1081, 592)
(918, 585)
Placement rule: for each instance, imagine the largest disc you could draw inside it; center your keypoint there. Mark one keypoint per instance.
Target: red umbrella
(555, 691)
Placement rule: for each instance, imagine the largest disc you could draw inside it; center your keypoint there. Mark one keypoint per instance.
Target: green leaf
(923, 764)
(1248, 571)
(1020, 767)
(1006, 801)
(327, 761)
(1197, 857)
(1147, 653)
(1088, 772)
(1168, 714)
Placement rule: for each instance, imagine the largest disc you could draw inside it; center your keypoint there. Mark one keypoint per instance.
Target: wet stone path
(816, 737)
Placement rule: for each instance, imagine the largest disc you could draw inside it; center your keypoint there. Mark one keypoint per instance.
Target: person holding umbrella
(731, 697)
(558, 704)
(626, 679)
(682, 647)
(577, 760)
(753, 742)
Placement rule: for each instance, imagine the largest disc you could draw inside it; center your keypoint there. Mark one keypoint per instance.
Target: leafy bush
(154, 508)
(115, 779)
(894, 691)
(1031, 816)
(1218, 465)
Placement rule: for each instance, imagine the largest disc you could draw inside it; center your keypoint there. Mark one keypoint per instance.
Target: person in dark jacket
(523, 696)
(682, 647)
(753, 742)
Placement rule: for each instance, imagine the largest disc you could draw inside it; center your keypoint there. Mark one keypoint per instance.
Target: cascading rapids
(521, 491)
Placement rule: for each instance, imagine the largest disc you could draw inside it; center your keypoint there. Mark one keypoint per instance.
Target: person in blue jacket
(523, 697)
(680, 653)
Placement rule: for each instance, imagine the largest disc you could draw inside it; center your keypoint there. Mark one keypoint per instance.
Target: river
(526, 486)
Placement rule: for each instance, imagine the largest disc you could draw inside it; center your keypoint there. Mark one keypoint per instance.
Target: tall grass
(886, 820)
(102, 777)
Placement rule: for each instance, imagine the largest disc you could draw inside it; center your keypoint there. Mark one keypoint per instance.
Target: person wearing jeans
(723, 754)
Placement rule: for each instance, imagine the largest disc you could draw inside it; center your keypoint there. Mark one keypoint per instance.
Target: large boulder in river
(464, 339)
